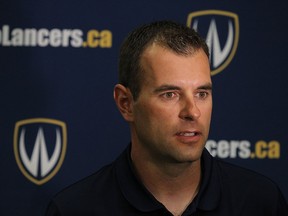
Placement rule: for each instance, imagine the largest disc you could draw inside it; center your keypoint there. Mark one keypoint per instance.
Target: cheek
(206, 115)
(205, 108)
(164, 113)
(153, 115)
(142, 114)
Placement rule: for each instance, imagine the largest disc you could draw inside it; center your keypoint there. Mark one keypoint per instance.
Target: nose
(189, 110)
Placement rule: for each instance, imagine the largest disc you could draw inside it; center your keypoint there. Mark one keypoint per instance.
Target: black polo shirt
(225, 190)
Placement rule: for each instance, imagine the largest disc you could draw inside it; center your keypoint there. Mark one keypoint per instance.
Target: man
(165, 94)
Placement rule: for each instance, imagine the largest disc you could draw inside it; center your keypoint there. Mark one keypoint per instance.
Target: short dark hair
(176, 37)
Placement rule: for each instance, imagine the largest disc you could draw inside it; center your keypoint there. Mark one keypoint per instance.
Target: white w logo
(39, 167)
(219, 57)
(40, 151)
(212, 40)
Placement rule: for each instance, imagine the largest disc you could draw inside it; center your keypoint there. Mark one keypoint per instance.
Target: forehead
(161, 65)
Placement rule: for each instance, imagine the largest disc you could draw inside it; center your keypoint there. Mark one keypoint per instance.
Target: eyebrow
(207, 86)
(167, 87)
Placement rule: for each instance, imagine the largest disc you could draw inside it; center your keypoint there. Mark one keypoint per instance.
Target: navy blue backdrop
(58, 67)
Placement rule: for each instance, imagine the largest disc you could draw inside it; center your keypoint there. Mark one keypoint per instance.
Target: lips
(188, 133)
(188, 136)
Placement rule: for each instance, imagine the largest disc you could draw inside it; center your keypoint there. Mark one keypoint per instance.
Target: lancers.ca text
(243, 149)
(43, 37)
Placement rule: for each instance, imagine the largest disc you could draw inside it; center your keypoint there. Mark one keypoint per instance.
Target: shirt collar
(138, 196)
(210, 191)
(132, 189)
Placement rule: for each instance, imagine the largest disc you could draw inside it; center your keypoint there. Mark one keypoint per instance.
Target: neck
(175, 185)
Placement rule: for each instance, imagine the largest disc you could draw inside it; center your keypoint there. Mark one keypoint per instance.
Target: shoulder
(241, 175)
(244, 190)
(85, 196)
(233, 175)
(248, 190)
(243, 181)
(97, 194)
(87, 187)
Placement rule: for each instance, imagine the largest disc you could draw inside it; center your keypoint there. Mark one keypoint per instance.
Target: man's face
(171, 116)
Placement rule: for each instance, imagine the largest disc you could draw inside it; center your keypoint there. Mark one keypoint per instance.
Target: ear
(124, 101)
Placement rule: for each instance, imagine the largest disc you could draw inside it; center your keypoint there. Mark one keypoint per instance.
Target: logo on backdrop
(40, 147)
(244, 149)
(43, 37)
(222, 35)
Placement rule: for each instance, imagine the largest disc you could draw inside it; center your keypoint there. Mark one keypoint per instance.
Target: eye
(169, 95)
(202, 95)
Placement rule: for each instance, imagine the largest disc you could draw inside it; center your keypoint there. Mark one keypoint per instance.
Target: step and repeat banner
(58, 67)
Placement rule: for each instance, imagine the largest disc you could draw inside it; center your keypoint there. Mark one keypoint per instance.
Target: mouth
(188, 133)
(188, 137)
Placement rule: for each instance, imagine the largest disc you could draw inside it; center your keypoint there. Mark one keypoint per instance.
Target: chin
(188, 158)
